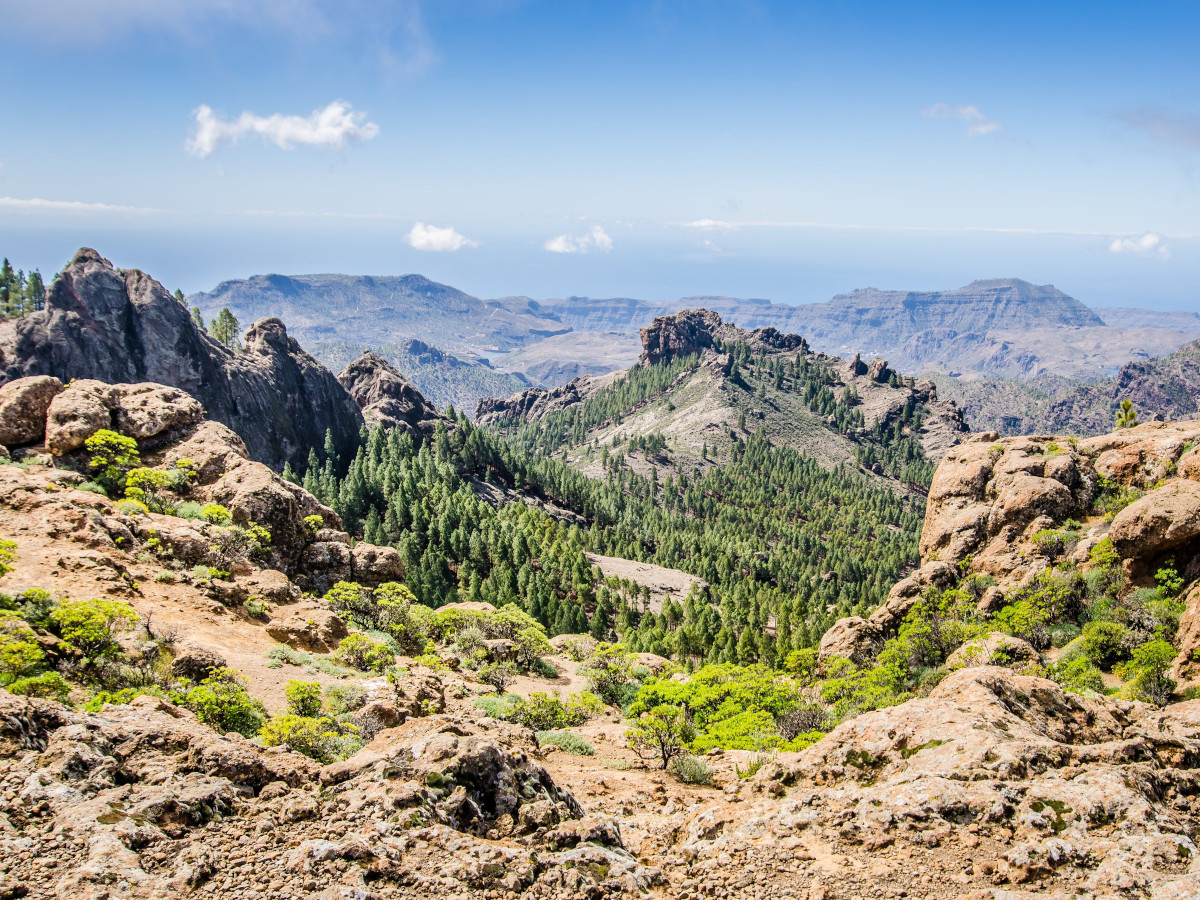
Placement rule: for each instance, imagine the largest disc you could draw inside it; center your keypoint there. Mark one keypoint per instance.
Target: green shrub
(1103, 643)
(314, 523)
(748, 730)
(166, 576)
(48, 685)
(1077, 674)
(222, 703)
(257, 609)
(344, 698)
(92, 487)
(318, 738)
(149, 486)
(8, 555)
(499, 675)
(215, 514)
(188, 509)
(20, 653)
(691, 770)
(360, 652)
(282, 653)
(303, 697)
(543, 712)
(566, 741)
(609, 673)
(498, 707)
(390, 608)
(90, 626)
(1063, 633)
(1146, 672)
(131, 508)
(753, 765)
(112, 456)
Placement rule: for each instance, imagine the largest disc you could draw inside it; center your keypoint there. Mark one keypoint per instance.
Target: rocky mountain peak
(686, 332)
(388, 399)
(120, 325)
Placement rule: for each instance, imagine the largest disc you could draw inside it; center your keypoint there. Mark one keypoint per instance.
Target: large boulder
(146, 412)
(993, 649)
(1162, 520)
(308, 628)
(23, 406)
(213, 449)
(852, 638)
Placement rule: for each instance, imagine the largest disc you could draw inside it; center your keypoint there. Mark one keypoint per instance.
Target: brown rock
(994, 649)
(196, 661)
(315, 629)
(1160, 521)
(852, 638)
(140, 411)
(212, 447)
(23, 407)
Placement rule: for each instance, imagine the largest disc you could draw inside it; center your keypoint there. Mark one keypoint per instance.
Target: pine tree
(198, 318)
(1127, 416)
(225, 328)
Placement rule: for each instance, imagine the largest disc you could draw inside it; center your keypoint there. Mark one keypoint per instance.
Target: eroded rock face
(23, 405)
(536, 403)
(118, 326)
(1162, 520)
(145, 412)
(388, 399)
(670, 337)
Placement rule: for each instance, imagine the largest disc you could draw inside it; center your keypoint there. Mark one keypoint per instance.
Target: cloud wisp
(977, 123)
(1149, 244)
(566, 243)
(39, 204)
(331, 128)
(437, 240)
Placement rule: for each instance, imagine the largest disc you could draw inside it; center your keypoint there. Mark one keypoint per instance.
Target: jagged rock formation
(1165, 389)
(536, 403)
(991, 497)
(388, 399)
(122, 326)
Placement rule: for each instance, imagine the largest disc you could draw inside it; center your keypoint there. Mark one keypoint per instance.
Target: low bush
(543, 712)
(360, 652)
(1103, 643)
(222, 703)
(303, 697)
(344, 698)
(319, 738)
(48, 685)
(691, 770)
(566, 741)
(498, 675)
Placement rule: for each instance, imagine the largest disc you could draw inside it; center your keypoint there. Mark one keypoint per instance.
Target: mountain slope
(378, 311)
(1166, 388)
(122, 326)
(702, 386)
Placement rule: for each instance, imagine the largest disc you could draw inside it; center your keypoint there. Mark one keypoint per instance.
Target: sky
(649, 149)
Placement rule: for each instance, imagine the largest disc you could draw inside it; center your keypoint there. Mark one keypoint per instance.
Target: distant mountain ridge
(1002, 327)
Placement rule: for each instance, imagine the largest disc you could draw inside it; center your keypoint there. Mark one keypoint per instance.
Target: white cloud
(437, 240)
(330, 127)
(38, 204)
(977, 123)
(566, 243)
(1149, 244)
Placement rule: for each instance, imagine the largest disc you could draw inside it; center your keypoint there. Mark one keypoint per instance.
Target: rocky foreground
(994, 784)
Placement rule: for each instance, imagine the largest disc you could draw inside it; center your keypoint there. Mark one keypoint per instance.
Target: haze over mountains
(999, 328)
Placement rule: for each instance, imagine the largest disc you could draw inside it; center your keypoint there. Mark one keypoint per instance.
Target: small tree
(91, 626)
(19, 651)
(113, 456)
(1147, 672)
(222, 703)
(608, 671)
(1127, 416)
(661, 734)
(198, 318)
(362, 653)
(225, 328)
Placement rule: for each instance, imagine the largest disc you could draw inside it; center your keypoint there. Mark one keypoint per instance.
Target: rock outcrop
(388, 399)
(151, 414)
(536, 403)
(117, 326)
(23, 407)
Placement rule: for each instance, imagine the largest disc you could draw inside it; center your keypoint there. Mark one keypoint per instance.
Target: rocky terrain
(1160, 389)
(388, 399)
(123, 326)
(993, 784)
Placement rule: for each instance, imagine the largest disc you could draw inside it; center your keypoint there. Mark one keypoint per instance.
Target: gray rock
(388, 399)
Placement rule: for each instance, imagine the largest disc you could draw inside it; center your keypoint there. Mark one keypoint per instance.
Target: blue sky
(652, 149)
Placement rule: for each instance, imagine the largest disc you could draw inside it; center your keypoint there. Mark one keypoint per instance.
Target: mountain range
(998, 328)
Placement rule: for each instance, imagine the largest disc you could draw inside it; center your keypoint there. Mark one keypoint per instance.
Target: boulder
(900, 599)
(141, 411)
(212, 447)
(272, 585)
(310, 628)
(1160, 521)
(373, 565)
(994, 649)
(196, 661)
(852, 638)
(23, 406)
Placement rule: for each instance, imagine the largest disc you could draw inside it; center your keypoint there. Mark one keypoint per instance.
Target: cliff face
(118, 325)
(388, 399)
